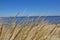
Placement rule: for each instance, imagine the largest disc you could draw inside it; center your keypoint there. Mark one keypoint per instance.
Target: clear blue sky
(30, 7)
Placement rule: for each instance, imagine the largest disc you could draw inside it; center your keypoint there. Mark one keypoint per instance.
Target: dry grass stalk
(12, 31)
(1, 29)
(20, 30)
(50, 33)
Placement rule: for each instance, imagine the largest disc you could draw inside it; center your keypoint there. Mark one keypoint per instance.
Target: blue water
(50, 19)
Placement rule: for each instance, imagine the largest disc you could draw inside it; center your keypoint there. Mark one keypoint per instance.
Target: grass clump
(41, 31)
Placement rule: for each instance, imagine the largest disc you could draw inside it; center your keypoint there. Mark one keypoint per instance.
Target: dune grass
(41, 31)
(32, 31)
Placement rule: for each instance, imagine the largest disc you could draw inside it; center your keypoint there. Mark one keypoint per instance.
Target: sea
(36, 19)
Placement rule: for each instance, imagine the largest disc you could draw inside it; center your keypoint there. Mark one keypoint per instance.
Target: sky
(29, 8)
